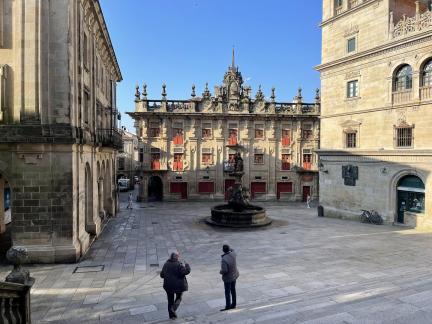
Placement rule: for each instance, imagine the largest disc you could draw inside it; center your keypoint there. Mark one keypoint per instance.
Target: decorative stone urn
(17, 256)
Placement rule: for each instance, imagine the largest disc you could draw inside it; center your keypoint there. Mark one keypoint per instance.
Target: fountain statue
(238, 212)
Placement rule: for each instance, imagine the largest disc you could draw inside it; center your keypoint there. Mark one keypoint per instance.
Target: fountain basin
(251, 216)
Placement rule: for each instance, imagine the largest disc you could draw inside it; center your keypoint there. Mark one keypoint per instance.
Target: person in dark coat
(174, 276)
(229, 274)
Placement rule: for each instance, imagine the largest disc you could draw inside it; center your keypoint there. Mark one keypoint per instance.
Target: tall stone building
(187, 146)
(58, 75)
(127, 157)
(376, 81)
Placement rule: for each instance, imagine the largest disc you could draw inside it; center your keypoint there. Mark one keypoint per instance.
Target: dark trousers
(230, 290)
(173, 304)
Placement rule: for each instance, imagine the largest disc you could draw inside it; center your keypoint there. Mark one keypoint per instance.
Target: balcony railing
(400, 97)
(426, 93)
(409, 25)
(110, 138)
(354, 3)
(339, 10)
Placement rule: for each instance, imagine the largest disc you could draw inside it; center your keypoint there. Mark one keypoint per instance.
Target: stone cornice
(384, 108)
(371, 153)
(107, 39)
(379, 50)
(349, 11)
(145, 114)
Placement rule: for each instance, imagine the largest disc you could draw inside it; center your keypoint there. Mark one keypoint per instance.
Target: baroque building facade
(187, 147)
(58, 136)
(376, 84)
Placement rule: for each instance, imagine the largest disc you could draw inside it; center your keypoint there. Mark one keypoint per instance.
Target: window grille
(404, 137)
(178, 150)
(154, 150)
(207, 150)
(351, 140)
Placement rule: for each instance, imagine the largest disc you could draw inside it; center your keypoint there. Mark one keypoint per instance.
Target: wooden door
(283, 187)
(257, 187)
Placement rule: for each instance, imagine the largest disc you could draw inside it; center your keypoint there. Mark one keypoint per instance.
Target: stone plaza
(301, 269)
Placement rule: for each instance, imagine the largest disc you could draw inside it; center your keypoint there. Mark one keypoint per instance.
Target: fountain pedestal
(238, 212)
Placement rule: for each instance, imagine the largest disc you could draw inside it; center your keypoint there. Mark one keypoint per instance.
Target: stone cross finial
(193, 91)
(299, 94)
(144, 92)
(273, 96)
(164, 93)
(137, 93)
(317, 95)
(206, 93)
(259, 94)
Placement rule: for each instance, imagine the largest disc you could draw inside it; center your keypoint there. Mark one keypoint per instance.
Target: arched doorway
(410, 196)
(155, 189)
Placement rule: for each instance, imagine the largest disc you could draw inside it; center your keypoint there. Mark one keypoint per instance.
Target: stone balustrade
(409, 25)
(426, 93)
(400, 97)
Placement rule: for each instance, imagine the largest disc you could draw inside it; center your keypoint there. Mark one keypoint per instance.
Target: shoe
(232, 306)
(225, 309)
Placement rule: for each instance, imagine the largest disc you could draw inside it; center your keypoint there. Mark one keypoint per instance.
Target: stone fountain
(238, 212)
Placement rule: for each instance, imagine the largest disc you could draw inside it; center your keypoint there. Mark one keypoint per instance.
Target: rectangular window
(154, 129)
(351, 45)
(307, 132)
(177, 133)
(259, 131)
(206, 130)
(286, 162)
(207, 156)
(404, 137)
(351, 140)
(87, 112)
(258, 156)
(307, 159)
(155, 158)
(206, 187)
(352, 89)
(286, 136)
(178, 162)
(121, 163)
(85, 51)
(141, 155)
(232, 134)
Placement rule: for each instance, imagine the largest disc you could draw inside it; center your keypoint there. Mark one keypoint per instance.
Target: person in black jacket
(174, 276)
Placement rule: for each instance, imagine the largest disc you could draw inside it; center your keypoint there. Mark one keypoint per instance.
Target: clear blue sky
(180, 42)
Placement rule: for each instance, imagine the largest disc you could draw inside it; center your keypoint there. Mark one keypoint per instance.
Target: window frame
(150, 132)
(355, 90)
(207, 152)
(354, 50)
(398, 139)
(204, 128)
(403, 81)
(347, 139)
(427, 74)
(260, 128)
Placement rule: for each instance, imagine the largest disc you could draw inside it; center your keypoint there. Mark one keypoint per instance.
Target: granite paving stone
(301, 269)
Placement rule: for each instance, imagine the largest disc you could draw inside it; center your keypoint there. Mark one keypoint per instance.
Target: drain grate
(154, 265)
(85, 269)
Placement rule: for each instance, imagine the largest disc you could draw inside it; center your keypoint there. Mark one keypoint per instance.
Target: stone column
(2, 213)
(101, 198)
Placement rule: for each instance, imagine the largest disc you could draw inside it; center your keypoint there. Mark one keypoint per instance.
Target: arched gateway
(410, 196)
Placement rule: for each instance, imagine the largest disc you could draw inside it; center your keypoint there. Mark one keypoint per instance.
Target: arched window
(403, 79)
(427, 74)
(338, 3)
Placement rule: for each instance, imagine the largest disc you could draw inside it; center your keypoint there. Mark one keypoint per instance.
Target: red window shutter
(285, 187)
(206, 187)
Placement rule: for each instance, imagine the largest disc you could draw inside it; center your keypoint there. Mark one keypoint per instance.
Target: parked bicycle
(371, 217)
